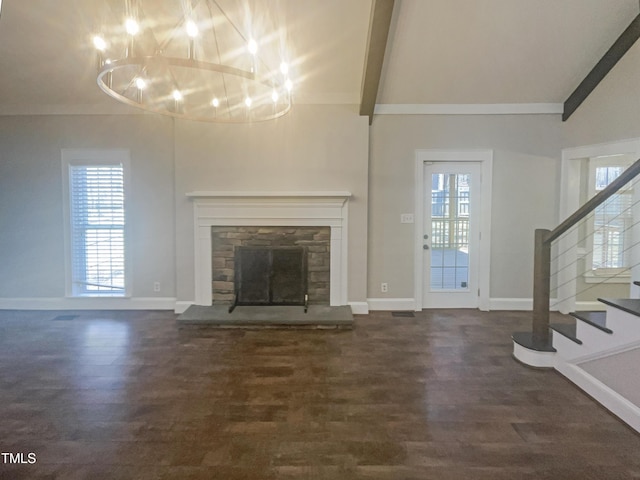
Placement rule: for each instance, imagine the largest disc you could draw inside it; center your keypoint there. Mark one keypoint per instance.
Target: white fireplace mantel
(274, 209)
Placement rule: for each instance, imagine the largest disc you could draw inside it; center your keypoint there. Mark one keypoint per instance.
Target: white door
(451, 236)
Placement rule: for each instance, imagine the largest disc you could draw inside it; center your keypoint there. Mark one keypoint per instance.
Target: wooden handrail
(611, 189)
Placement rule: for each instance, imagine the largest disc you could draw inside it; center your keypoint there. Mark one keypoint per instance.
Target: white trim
(485, 157)
(88, 303)
(534, 358)
(609, 352)
(376, 304)
(610, 399)
(84, 156)
(521, 304)
(181, 306)
(469, 109)
(590, 277)
(570, 202)
(359, 308)
(276, 209)
(268, 194)
(590, 306)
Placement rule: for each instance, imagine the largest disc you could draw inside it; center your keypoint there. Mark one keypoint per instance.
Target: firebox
(270, 276)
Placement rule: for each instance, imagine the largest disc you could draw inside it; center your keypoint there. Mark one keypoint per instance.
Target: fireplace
(286, 211)
(274, 260)
(270, 276)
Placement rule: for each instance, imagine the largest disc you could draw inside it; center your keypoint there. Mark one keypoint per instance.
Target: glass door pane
(449, 231)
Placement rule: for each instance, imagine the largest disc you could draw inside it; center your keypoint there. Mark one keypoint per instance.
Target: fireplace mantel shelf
(240, 194)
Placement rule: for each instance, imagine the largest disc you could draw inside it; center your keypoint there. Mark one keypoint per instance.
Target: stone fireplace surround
(270, 209)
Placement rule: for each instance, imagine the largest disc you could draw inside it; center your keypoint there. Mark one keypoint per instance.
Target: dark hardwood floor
(131, 395)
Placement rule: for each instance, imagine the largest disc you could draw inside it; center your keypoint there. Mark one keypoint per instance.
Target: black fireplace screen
(270, 275)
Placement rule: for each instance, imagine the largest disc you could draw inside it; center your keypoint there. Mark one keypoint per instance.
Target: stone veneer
(315, 239)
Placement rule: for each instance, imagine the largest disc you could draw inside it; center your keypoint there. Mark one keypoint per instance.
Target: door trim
(485, 158)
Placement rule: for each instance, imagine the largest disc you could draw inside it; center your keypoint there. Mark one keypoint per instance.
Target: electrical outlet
(384, 287)
(156, 286)
(406, 218)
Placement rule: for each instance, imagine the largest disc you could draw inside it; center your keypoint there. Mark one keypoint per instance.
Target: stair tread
(568, 330)
(597, 319)
(629, 305)
(526, 340)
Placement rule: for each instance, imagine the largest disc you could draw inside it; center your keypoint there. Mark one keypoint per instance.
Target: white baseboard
(359, 308)
(391, 304)
(525, 304)
(610, 399)
(88, 303)
(181, 306)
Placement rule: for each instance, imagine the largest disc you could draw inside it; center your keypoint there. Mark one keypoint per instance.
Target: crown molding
(469, 109)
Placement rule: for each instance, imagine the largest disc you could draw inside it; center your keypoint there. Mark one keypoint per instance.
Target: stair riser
(594, 339)
(567, 349)
(623, 324)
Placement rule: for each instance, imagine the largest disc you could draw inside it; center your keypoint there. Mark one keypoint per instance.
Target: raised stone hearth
(318, 316)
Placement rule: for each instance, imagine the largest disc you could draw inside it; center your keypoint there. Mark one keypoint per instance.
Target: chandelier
(188, 59)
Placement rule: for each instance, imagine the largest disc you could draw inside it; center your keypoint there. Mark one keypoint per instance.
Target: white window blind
(97, 214)
(610, 226)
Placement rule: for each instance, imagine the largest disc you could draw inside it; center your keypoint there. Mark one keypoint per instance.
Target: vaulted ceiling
(438, 51)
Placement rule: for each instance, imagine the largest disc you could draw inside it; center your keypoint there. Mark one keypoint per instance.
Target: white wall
(320, 148)
(312, 148)
(525, 184)
(31, 223)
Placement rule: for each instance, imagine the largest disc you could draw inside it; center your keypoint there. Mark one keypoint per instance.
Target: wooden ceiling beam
(379, 25)
(602, 68)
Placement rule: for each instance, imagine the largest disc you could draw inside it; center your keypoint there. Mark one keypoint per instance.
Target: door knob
(425, 247)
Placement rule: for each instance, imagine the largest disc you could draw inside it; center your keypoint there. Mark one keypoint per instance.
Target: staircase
(600, 352)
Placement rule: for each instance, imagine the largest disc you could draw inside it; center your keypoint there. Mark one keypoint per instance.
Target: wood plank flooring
(133, 395)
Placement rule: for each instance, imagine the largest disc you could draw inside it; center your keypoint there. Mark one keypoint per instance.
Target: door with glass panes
(451, 234)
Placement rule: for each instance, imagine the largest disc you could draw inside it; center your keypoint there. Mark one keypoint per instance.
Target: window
(97, 220)
(611, 223)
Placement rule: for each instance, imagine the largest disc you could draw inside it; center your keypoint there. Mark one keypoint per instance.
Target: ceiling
(438, 51)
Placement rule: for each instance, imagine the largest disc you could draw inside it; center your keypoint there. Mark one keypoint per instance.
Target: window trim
(95, 157)
(607, 274)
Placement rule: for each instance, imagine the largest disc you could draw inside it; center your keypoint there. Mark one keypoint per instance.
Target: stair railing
(542, 254)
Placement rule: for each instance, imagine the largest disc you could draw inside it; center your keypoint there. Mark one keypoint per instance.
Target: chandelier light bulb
(288, 85)
(177, 96)
(252, 46)
(192, 29)
(141, 83)
(215, 102)
(132, 27)
(274, 96)
(248, 102)
(99, 43)
(284, 68)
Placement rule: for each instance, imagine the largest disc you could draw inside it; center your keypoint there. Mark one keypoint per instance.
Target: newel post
(541, 286)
